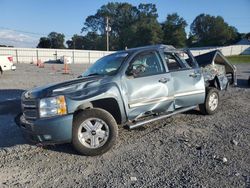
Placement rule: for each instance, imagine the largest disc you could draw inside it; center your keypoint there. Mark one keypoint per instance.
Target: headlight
(52, 106)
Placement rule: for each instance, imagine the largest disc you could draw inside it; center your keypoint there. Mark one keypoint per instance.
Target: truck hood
(64, 87)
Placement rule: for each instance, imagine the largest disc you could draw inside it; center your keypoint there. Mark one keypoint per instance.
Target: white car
(6, 63)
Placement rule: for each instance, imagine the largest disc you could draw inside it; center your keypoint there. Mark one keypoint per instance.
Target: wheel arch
(215, 83)
(109, 104)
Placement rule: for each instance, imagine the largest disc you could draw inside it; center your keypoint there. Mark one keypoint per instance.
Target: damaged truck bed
(217, 70)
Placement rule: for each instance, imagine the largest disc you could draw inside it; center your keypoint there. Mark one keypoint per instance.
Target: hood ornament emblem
(27, 94)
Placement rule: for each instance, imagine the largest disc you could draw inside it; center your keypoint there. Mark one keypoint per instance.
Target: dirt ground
(186, 150)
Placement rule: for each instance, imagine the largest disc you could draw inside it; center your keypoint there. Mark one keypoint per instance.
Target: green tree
(130, 26)
(93, 41)
(174, 30)
(54, 40)
(44, 42)
(148, 29)
(122, 17)
(247, 36)
(212, 31)
(57, 40)
(76, 42)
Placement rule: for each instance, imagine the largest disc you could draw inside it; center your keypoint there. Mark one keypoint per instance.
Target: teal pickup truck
(128, 88)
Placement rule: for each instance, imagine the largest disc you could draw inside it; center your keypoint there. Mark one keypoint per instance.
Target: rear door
(189, 86)
(150, 91)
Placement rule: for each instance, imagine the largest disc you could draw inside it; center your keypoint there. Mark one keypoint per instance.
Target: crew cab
(128, 88)
(6, 63)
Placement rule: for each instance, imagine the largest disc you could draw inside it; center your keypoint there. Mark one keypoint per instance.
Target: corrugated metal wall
(28, 55)
(226, 50)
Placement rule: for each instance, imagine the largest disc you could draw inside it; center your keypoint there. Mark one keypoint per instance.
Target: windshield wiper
(94, 74)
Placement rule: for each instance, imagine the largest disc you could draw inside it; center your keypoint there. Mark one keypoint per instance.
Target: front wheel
(94, 132)
(211, 102)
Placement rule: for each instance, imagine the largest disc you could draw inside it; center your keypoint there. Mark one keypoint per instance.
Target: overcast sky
(23, 22)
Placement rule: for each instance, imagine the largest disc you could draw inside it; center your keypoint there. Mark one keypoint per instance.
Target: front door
(149, 89)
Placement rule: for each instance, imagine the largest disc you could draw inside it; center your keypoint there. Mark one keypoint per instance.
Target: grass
(239, 59)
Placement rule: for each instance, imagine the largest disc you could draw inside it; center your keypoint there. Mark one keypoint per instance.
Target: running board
(133, 126)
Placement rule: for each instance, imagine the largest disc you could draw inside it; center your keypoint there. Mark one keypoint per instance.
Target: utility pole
(108, 29)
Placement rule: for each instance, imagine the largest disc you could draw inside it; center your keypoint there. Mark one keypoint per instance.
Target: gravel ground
(186, 150)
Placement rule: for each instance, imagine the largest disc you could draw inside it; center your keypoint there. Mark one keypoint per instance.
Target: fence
(226, 50)
(28, 55)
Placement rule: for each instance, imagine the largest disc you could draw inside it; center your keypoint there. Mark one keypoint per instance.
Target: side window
(146, 64)
(172, 62)
(186, 60)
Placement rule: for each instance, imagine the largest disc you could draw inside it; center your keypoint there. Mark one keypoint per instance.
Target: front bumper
(48, 131)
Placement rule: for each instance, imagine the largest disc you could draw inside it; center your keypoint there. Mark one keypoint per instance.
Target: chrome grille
(30, 109)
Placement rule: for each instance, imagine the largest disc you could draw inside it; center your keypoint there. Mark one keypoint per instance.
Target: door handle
(194, 75)
(164, 80)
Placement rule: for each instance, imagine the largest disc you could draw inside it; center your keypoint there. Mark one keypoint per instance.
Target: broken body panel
(216, 68)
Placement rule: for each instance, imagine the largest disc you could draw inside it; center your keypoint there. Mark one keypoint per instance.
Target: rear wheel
(211, 102)
(94, 132)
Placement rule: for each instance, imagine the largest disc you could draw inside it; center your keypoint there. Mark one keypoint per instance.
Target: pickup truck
(129, 88)
(6, 63)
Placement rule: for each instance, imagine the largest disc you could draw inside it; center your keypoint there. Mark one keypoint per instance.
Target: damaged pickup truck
(129, 88)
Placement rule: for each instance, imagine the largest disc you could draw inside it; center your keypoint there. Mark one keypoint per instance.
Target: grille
(30, 109)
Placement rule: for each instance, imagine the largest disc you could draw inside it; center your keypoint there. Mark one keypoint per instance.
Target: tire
(94, 132)
(212, 101)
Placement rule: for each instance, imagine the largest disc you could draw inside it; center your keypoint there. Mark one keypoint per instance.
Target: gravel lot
(186, 150)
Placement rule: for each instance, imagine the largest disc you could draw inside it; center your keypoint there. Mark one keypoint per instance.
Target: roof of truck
(152, 47)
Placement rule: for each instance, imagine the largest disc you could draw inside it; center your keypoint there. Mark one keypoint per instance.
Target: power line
(29, 32)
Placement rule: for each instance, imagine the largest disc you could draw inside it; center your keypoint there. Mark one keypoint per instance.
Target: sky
(23, 22)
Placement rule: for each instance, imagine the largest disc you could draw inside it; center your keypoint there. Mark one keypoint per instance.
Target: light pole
(108, 29)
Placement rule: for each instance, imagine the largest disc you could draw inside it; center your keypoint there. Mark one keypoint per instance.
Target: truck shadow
(193, 112)
(10, 133)
(10, 107)
(242, 83)
(62, 148)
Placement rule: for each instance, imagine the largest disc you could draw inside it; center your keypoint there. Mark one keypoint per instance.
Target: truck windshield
(107, 65)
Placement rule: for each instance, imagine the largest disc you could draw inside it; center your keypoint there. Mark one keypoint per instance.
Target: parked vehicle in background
(66, 60)
(6, 63)
(128, 88)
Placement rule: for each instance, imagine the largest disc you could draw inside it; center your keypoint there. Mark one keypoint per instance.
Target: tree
(122, 17)
(212, 31)
(76, 42)
(57, 40)
(247, 36)
(44, 42)
(2, 45)
(131, 26)
(54, 40)
(174, 30)
(148, 29)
